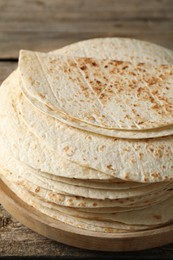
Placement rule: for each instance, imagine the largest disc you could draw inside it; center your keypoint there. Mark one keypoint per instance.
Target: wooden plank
(46, 41)
(47, 25)
(46, 11)
(5, 69)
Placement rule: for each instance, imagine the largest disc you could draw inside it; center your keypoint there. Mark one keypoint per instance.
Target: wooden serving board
(77, 237)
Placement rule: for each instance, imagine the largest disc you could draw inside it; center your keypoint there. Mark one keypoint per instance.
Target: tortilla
(64, 188)
(141, 160)
(134, 160)
(122, 49)
(116, 98)
(51, 210)
(52, 194)
(92, 94)
(153, 216)
(18, 169)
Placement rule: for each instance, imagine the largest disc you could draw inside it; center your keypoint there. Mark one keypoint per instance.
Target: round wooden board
(69, 235)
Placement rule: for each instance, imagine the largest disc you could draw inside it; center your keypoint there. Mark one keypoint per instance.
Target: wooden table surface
(49, 24)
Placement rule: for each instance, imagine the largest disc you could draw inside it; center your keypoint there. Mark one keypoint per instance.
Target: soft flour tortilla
(118, 49)
(106, 185)
(49, 193)
(135, 160)
(27, 148)
(150, 133)
(155, 215)
(19, 169)
(142, 160)
(143, 52)
(51, 210)
(117, 94)
(100, 213)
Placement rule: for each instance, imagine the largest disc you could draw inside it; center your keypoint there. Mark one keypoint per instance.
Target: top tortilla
(104, 95)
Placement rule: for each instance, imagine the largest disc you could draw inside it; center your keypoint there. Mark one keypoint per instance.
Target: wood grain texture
(5, 69)
(46, 25)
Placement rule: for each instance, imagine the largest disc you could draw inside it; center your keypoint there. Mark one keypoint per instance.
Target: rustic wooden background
(49, 24)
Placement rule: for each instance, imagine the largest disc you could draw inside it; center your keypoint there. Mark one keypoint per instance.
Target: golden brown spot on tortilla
(109, 167)
(84, 67)
(151, 149)
(115, 62)
(98, 81)
(152, 81)
(97, 89)
(127, 117)
(88, 137)
(154, 92)
(41, 95)
(102, 96)
(141, 156)
(91, 118)
(66, 148)
(85, 90)
(81, 205)
(161, 76)
(125, 67)
(50, 70)
(140, 122)
(139, 91)
(158, 152)
(53, 61)
(133, 73)
(94, 63)
(71, 63)
(126, 149)
(155, 175)
(101, 147)
(37, 189)
(132, 160)
(155, 106)
(94, 204)
(72, 119)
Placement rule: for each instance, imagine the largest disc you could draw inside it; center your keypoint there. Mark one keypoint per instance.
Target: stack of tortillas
(86, 134)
